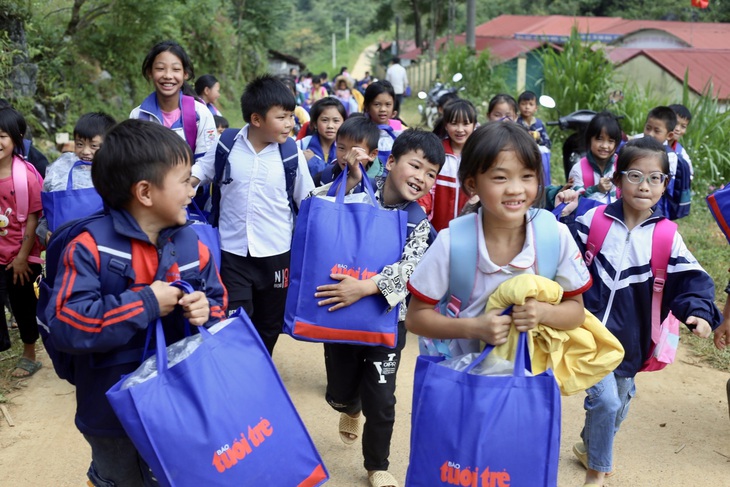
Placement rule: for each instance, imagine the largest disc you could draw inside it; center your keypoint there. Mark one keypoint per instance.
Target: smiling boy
(256, 219)
(356, 385)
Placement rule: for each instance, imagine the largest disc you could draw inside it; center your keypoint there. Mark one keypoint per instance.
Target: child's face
(6, 147)
(168, 74)
(342, 85)
(681, 128)
(275, 126)
(213, 93)
(381, 109)
(458, 131)
(220, 129)
(639, 198)
(86, 148)
(528, 108)
(506, 190)
(656, 129)
(602, 147)
(170, 200)
(346, 144)
(502, 111)
(328, 123)
(409, 178)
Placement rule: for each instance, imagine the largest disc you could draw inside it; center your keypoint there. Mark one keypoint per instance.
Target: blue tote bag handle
(522, 355)
(339, 185)
(70, 180)
(161, 345)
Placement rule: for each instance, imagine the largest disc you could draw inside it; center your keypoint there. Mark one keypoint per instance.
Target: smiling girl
(168, 67)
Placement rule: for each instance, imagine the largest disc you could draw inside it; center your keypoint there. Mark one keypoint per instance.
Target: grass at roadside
(8, 359)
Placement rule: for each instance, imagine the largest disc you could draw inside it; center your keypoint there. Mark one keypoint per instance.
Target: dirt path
(677, 433)
(364, 62)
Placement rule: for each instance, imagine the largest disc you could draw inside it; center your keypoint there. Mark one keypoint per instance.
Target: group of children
(146, 175)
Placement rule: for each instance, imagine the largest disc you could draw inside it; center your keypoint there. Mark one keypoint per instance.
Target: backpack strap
(415, 216)
(546, 242)
(115, 256)
(20, 170)
(463, 259)
(597, 234)
(290, 158)
(189, 120)
(587, 173)
(661, 249)
(222, 171)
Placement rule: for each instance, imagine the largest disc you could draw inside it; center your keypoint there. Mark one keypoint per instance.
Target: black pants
(362, 378)
(23, 302)
(259, 286)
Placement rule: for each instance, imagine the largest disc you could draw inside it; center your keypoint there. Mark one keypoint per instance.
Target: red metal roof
(704, 65)
(507, 25)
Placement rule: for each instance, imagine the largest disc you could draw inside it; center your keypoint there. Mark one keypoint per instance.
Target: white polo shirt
(398, 77)
(255, 218)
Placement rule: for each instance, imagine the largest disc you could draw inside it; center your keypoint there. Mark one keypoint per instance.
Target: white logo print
(386, 368)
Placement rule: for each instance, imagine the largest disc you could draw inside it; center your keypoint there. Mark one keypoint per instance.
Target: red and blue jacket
(106, 332)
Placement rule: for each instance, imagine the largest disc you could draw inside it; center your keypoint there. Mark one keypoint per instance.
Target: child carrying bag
(219, 417)
(337, 237)
(60, 207)
(484, 430)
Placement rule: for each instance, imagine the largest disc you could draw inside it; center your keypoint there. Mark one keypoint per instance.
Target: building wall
(644, 72)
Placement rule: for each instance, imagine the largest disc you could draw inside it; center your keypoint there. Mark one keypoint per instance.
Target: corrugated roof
(704, 65)
(507, 25)
(701, 35)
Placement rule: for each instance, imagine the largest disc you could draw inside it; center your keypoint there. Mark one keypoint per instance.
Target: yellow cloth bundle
(579, 358)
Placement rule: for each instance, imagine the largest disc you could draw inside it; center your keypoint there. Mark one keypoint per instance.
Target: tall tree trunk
(417, 23)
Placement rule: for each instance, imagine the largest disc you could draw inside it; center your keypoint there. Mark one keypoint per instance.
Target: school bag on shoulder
(289, 157)
(464, 255)
(664, 335)
(719, 205)
(589, 179)
(20, 170)
(679, 198)
(116, 273)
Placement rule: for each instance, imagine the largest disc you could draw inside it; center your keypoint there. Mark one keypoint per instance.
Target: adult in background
(398, 77)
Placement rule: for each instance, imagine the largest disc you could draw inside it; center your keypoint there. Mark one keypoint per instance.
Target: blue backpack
(289, 157)
(679, 191)
(463, 258)
(115, 263)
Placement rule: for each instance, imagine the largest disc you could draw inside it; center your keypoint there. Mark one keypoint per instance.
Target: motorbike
(574, 146)
(429, 108)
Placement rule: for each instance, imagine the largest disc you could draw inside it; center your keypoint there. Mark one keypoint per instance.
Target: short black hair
(135, 150)
(205, 81)
(173, 47)
(603, 121)
(681, 111)
(92, 124)
(637, 148)
(13, 124)
(264, 93)
(446, 98)
(221, 121)
(417, 139)
(526, 96)
(359, 128)
(666, 115)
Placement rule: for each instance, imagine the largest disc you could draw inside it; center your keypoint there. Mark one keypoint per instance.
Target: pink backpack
(20, 171)
(586, 172)
(664, 335)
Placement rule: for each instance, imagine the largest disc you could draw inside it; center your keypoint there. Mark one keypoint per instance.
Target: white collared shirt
(255, 217)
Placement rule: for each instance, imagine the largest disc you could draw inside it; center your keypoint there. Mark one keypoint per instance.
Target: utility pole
(334, 51)
(471, 21)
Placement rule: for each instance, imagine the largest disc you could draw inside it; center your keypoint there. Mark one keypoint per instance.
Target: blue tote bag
(337, 237)
(60, 207)
(219, 417)
(484, 430)
(206, 232)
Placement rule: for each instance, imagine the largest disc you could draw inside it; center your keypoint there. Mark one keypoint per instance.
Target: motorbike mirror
(457, 77)
(547, 101)
(422, 95)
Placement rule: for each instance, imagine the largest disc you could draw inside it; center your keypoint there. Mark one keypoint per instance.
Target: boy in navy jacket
(142, 173)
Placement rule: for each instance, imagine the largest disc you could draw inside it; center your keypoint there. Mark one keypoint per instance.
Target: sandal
(350, 428)
(382, 478)
(580, 452)
(28, 366)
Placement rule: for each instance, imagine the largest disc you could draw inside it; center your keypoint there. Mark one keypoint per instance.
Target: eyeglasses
(637, 177)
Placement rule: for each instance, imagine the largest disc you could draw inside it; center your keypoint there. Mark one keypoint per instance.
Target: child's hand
(21, 270)
(492, 328)
(308, 154)
(346, 292)
(570, 197)
(604, 185)
(195, 308)
(525, 317)
(167, 296)
(354, 158)
(722, 335)
(702, 327)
